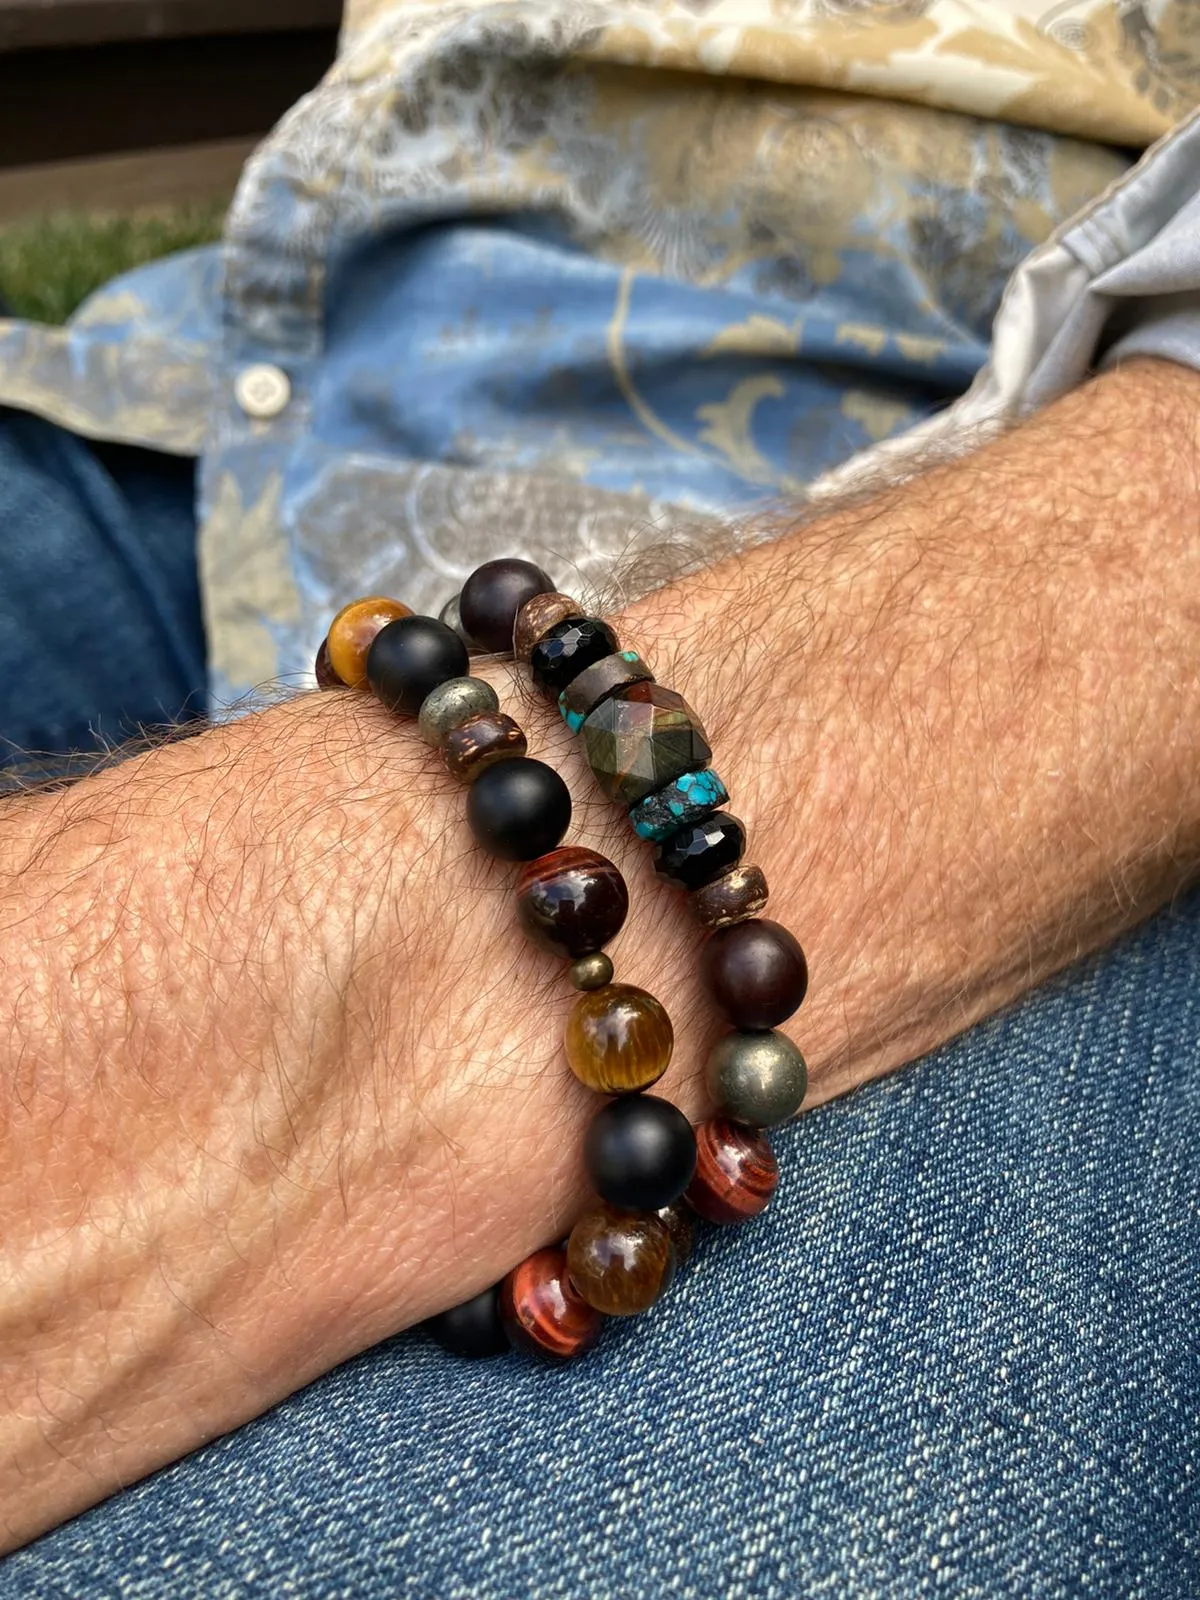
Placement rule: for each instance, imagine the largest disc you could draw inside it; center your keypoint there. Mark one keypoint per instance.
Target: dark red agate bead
(542, 1310)
(572, 901)
(736, 1172)
(756, 972)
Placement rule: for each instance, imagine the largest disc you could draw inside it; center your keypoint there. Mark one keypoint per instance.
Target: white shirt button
(262, 391)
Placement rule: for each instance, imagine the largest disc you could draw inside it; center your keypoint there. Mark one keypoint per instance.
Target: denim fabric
(960, 1355)
(100, 625)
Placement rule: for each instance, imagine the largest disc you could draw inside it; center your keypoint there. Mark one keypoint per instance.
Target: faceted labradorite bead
(474, 1328)
(562, 653)
(543, 1312)
(619, 1261)
(592, 971)
(572, 901)
(352, 633)
(584, 693)
(700, 851)
(688, 799)
(619, 1039)
(641, 739)
(736, 1172)
(451, 704)
(731, 898)
(758, 1079)
(756, 972)
(640, 1152)
(535, 619)
(492, 596)
(479, 743)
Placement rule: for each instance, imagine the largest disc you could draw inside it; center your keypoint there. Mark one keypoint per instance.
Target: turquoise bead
(686, 800)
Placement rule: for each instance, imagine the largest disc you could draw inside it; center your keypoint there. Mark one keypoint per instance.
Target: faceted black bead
(564, 652)
(701, 851)
(410, 657)
(640, 1152)
(472, 1329)
(492, 596)
(519, 809)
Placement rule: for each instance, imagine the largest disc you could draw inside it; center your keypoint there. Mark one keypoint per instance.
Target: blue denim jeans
(960, 1355)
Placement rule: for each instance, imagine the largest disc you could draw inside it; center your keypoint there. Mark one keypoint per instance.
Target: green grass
(48, 266)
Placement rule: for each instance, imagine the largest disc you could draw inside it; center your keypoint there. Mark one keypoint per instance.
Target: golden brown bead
(537, 616)
(619, 1039)
(352, 633)
(479, 743)
(619, 1261)
(736, 895)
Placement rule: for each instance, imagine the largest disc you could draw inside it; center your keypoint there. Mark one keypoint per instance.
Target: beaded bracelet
(648, 750)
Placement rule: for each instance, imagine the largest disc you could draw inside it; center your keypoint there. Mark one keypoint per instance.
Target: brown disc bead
(619, 1039)
(352, 633)
(756, 972)
(323, 671)
(542, 1310)
(680, 1223)
(620, 1261)
(479, 743)
(537, 616)
(736, 1172)
(736, 895)
(572, 901)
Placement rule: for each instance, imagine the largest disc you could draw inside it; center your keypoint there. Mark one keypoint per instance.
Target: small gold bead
(592, 972)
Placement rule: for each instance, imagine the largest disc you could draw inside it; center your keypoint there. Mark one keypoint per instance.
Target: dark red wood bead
(492, 597)
(572, 901)
(326, 677)
(736, 1172)
(542, 1310)
(756, 972)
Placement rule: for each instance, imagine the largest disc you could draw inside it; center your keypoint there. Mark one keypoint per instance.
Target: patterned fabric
(574, 278)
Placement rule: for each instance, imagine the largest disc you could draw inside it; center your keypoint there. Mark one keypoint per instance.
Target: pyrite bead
(687, 799)
(594, 684)
(451, 704)
(572, 901)
(480, 743)
(543, 1312)
(619, 1261)
(565, 650)
(535, 619)
(619, 1039)
(734, 896)
(756, 972)
(474, 1328)
(736, 1172)
(354, 630)
(451, 616)
(492, 596)
(519, 809)
(410, 658)
(701, 851)
(640, 1152)
(758, 1079)
(640, 739)
(323, 671)
(592, 971)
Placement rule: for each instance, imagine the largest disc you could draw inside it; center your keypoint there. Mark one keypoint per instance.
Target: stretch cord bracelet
(648, 751)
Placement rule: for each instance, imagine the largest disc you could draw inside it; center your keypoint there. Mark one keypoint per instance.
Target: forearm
(281, 1076)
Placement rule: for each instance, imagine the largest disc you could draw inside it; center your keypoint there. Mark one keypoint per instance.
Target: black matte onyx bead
(473, 1328)
(492, 596)
(568, 649)
(640, 1152)
(519, 809)
(410, 658)
(701, 851)
(756, 972)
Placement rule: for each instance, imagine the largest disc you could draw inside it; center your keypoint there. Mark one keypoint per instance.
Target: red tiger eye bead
(323, 671)
(572, 901)
(542, 1310)
(736, 1172)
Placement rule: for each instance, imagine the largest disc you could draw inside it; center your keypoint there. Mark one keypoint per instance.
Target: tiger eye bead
(756, 972)
(736, 1172)
(543, 1312)
(619, 1261)
(572, 901)
(731, 898)
(352, 633)
(535, 619)
(451, 704)
(480, 743)
(323, 671)
(680, 1222)
(619, 1039)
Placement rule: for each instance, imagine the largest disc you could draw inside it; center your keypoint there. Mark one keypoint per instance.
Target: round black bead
(640, 1152)
(492, 596)
(473, 1328)
(701, 851)
(568, 648)
(519, 809)
(410, 657)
